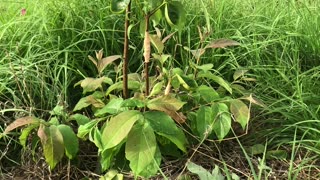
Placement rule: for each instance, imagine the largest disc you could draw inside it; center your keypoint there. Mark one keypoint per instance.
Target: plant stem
(126, 53)
(147, 53)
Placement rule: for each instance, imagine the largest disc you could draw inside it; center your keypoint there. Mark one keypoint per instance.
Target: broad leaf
(102, 64)
(162, 58)
(175, 14)
(240, 112)
(118, 6)
(200, 171)
(133, 102)
(208, 94)
(157, 88)
(107, 157)
(205, 119)
(164, 103)
(222, 120)
(218, 80)
(118, 128)
(222, 43)
(85, 129)
(163, 125)
(157, 43)
(21, 122)
(79, 118)
(238, 73)
(113, 107)
(52, 144)
(91, 84)
(133, 85)
(140, 147)
(70, 140)
(154, 166)
(87, 101)
(25, 133)
(253, 100)
(205, 67)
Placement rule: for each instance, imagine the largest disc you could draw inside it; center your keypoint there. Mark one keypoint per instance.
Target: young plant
(57, 139)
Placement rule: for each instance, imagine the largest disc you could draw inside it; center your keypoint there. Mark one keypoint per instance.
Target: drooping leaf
(133, 85)
(118, 6)
(102, 64)
(205, 67)
(21, 122)
(119, 127)
(146, 47)
(52, 144)
(157, 43)
(133, 102)
(25, 133)
(79, 118)
(222, 43)
(175, 14)
(205, 120)
(253, 100)
(54, 120)
(196, 53)
(140, 147)
(162, 58)
(107, 157)
(113, 107)
(218, 80)
(240, 112)
(208, 94)
(95, 137)
(222, 120)
(163, 125)
(200, 171)
(70, 140)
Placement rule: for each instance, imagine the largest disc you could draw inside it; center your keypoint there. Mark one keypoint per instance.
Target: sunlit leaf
(113, 107)
(102, 64)
(157, 88)
(200, 171)
(79, 118)
(154, 165)
(239, 73)
(91, 84)
(118, 6)
(70, 140)
(222, 120)
(240, 112)
(205, 67)
(52, 144)
(222, 43)
(163, 125)
(140, 147)
(87, 101)
(85, 129)
(157, 43)
(165, 103)
(119, 127)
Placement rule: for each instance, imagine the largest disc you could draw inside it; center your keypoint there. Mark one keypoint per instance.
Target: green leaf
(54, 120)
(52, 144)
(205, 119)
(164, 103)
(240, 112)
(58, 111)
(91, 84)
(140, 147)
(133, 85)
(277, 154)
(118, 6)
(70, 140)
(133, 103)
(257, 149)
(85, 129)
(222, 120)
(205, 67)
(162, 58)
(218, 80)
(187, 82)
(114, 106)
(217, 174)
(175, 14)
(25, 133)
(157, 43)
(107, 157)
(239, 73)
(154, 166)
(200, 171)
(208, 94)
(119, 127)
(79, 118)
(157, 88)
(87, 101)
(163, 125)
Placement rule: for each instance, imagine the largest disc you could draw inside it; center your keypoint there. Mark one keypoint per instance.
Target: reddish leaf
(20, 122)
